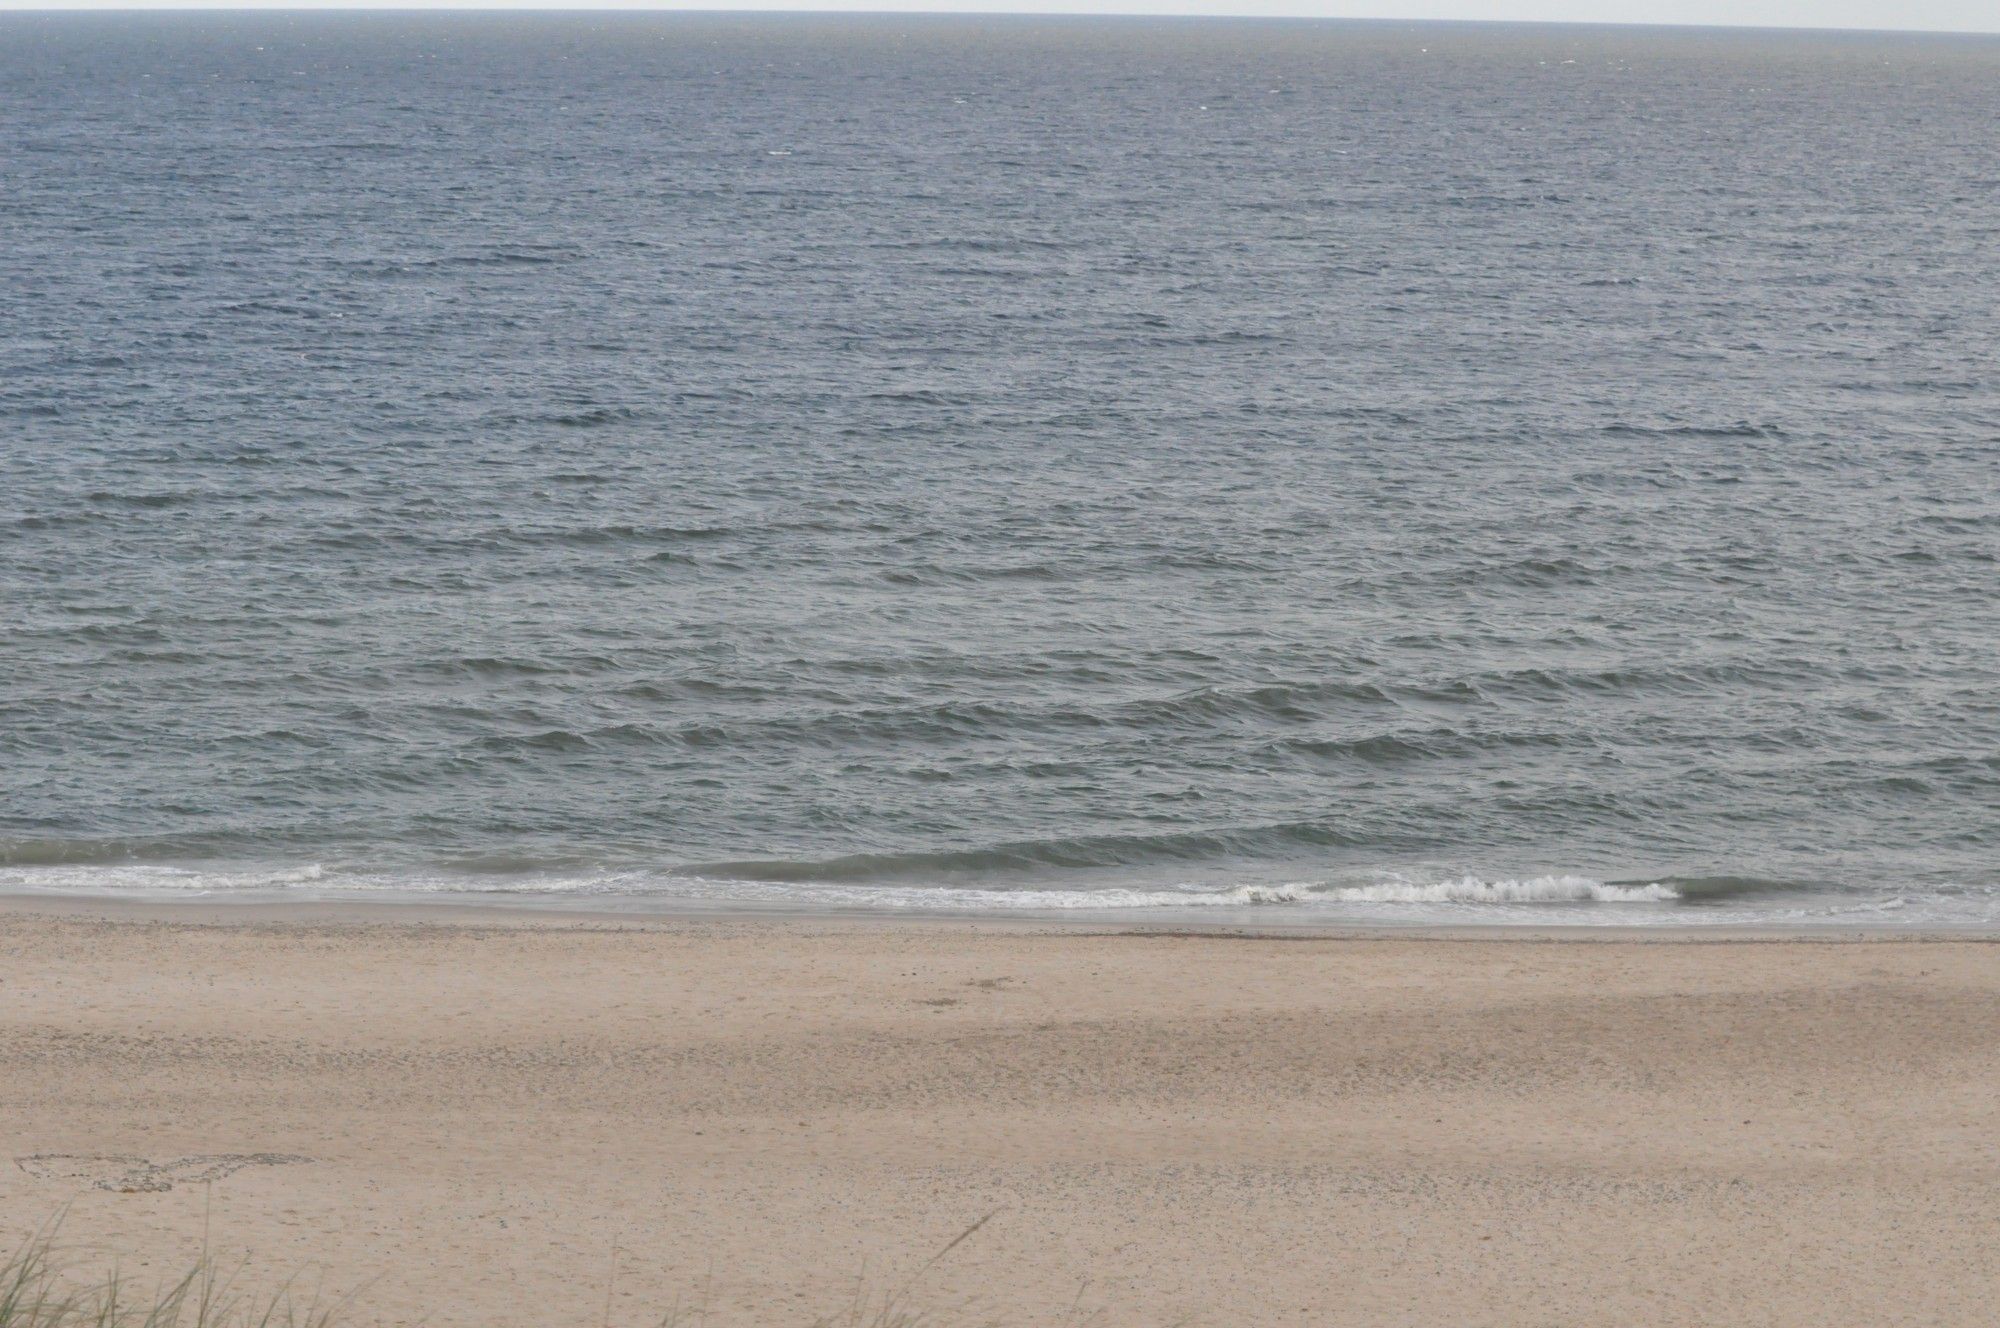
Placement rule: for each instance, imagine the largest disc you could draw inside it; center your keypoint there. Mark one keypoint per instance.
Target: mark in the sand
(134, 1175)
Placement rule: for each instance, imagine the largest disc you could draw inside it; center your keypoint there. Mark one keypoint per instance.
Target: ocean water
(1280, 471)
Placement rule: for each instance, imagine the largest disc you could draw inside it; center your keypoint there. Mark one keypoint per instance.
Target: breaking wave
(159, 879)
(1385, 898)
(1534, 890)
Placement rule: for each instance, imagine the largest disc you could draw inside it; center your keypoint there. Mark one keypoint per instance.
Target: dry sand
(1167, 1128)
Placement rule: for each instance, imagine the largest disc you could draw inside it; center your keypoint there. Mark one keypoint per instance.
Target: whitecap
(1531, 890)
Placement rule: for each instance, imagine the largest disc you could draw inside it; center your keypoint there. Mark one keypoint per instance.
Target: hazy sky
(1936, 15)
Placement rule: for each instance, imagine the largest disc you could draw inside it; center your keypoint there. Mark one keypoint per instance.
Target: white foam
(1469, 890)
(1532, 890)
(144, 880)
(1386, 898)
(951, 899)
(125, 879)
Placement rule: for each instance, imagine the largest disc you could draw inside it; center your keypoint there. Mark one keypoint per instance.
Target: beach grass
(39, 1288)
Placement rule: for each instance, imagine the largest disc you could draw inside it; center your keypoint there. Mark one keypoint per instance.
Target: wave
(507, 876)
(1733, 429)
(52, 852)
(1081, 852)
(158, 881)
(1534, 890)
(1464, 890)
(1386, 899)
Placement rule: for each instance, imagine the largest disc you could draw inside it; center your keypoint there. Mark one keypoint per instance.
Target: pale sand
(1188, 1129)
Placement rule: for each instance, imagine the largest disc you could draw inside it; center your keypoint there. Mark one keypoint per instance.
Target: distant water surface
(1332, 471)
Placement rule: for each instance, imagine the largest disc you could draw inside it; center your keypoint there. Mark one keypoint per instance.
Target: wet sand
(474, 1117)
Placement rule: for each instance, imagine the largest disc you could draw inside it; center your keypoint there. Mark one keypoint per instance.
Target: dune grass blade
(36, 1293)
(37, 1290)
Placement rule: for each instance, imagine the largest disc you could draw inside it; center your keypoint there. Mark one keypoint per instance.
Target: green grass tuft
(37, 1291)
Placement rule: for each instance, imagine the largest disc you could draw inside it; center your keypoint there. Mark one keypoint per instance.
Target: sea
(1261, 472)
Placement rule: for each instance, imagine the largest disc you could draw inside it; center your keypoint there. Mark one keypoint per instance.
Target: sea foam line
(1533, 890)
(1471, 890)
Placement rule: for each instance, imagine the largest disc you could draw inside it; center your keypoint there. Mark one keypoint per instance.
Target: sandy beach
(476, 1118)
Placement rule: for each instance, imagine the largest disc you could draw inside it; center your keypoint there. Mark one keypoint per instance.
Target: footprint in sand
(132, 1175)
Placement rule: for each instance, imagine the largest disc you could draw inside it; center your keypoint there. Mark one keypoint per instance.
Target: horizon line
(920, 11)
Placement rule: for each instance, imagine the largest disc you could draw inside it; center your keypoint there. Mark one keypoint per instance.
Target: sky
(1922, 15)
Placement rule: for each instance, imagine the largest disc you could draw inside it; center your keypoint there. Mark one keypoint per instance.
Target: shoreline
(488, 911)
(470, 1116)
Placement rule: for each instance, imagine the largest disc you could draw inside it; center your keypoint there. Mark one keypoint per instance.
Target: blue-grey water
(1352, 471)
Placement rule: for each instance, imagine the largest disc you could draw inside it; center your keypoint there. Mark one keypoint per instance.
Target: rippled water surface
(1346, 471)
